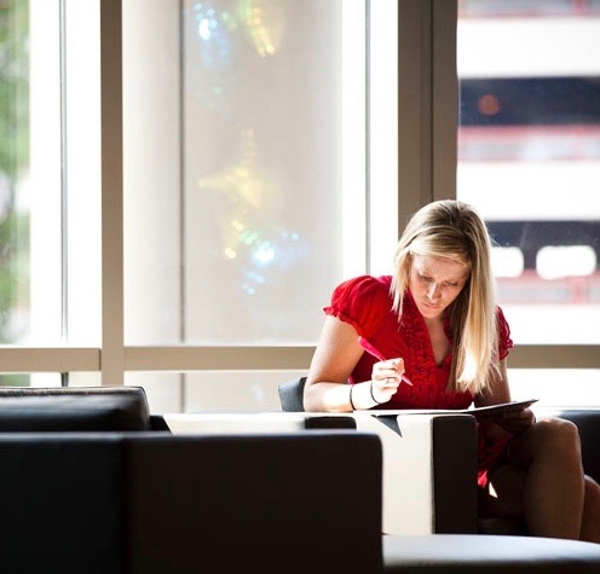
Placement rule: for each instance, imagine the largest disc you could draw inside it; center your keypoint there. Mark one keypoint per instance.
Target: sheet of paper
(477, 412)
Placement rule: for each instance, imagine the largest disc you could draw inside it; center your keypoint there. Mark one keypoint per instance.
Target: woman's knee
(553, 437)
(556, 433)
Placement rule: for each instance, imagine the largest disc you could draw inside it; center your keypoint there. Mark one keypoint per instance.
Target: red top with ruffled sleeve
(365, 302)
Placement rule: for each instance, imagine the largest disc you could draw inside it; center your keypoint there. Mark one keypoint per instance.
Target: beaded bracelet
(351, 401)
(373, 396)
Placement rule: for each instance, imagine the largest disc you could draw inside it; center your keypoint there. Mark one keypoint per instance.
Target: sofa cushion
(494, 554)
(33, 409)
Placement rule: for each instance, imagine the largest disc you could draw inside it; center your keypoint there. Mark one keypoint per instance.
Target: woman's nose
(433, 291)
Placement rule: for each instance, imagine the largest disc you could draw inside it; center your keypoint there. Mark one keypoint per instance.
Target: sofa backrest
(291, 395)
(73, 409)
(155, 503)
(308, 501)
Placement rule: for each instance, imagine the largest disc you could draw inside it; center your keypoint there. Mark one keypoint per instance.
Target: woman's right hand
(386, 377)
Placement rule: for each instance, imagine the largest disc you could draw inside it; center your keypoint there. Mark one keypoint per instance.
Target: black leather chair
(291, 395)
(453, 547)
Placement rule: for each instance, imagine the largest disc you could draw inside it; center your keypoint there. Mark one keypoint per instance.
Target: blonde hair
(454, 230)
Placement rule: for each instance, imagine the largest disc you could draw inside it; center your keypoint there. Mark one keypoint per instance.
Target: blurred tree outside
(14, 165)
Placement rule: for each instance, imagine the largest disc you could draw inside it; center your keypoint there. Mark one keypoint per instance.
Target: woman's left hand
(515, 422)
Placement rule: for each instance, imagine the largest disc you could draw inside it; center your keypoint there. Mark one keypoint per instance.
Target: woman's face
(435, 282)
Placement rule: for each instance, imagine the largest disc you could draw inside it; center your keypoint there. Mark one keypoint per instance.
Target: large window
(183, 183)
(235, 197)
(251, 136)
(247, 175)
(529, 158)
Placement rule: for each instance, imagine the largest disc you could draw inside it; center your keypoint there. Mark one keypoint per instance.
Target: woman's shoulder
(362, 301)
(364, 286)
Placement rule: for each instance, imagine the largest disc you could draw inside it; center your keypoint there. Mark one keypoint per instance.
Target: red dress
(365, 303)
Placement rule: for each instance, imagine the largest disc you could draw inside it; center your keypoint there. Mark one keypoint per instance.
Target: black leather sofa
(92, 483)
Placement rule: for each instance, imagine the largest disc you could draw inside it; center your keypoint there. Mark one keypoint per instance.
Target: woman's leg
(500, 503)
(554, 494)
(503, 496)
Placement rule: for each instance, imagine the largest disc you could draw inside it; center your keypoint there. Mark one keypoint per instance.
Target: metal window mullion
(111, 102)
(444, 99)
(414, 107)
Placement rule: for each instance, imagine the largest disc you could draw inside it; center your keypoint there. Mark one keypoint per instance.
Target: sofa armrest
(429, 471)
(429, 468)
(267, 422)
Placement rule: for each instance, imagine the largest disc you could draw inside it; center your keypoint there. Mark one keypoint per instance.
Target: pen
(378, 355)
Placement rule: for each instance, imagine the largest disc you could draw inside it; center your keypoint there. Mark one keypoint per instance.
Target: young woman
(432, 336)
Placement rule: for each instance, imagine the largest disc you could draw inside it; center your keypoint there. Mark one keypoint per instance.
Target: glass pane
(241, 237)
(81, 184)
(529, 158)
(262, 173)
(549, 386)
(49, 269)
(223, 391)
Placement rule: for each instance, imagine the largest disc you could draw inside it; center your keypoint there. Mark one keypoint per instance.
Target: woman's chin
(430, 311)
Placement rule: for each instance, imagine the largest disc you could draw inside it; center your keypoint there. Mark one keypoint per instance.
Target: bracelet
(351, 401)
(373, 396)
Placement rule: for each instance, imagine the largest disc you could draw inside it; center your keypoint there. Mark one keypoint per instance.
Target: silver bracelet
(373, 396)
(351, 401)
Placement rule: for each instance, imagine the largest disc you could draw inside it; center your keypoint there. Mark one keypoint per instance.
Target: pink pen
(378, 355)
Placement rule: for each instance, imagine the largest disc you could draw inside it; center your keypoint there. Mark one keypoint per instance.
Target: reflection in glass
(243, 203)
(236, 161)
(262, 116)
